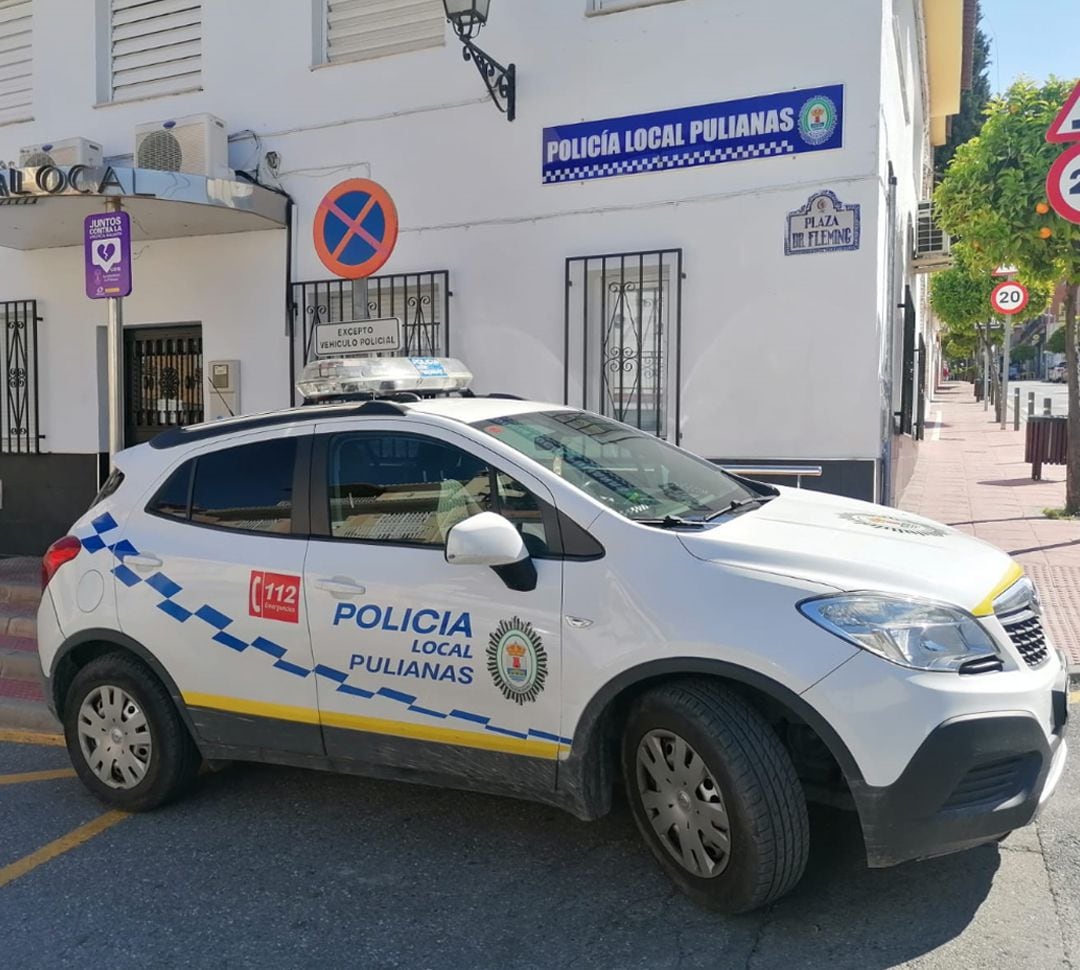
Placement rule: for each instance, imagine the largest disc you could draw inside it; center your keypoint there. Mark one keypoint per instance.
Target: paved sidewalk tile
(972, 475)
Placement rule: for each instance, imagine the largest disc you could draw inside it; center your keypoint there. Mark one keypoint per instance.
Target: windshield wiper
(671, 522)
(738, 504)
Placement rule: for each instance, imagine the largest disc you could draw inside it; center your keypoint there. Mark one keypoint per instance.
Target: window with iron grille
(152, 48)
(610, 6)
(19, 433)
(623, 322)
(356, 30)
(420, 301)
(16, 61)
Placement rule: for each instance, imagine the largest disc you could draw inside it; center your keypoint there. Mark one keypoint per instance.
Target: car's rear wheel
(715, 795)
(125, 736)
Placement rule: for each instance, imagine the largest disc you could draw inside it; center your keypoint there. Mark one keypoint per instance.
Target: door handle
(142, 562)
(340, 587)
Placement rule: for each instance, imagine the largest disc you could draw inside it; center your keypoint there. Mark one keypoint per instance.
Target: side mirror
(488, 539)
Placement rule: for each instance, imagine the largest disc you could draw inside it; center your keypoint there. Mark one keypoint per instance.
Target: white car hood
(854, 545)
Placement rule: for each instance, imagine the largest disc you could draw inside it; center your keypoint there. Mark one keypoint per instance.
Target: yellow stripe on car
(374, 725)
(986, 606)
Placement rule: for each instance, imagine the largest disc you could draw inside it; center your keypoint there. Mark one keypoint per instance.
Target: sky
(1033, 37)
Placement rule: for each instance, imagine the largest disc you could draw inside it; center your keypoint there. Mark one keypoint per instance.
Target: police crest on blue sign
(787, 123)
(823, 225)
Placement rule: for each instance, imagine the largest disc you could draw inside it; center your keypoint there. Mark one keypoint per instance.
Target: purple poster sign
(107, 244)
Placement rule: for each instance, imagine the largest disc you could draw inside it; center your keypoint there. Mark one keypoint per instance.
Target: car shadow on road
(439, 878)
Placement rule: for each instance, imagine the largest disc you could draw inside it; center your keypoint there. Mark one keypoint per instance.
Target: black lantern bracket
(501, 82)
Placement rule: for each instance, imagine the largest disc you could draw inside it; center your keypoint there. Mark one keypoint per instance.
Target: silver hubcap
(683, 804)
(114, 737)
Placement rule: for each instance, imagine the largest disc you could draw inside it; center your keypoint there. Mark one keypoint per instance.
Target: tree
(1023, 353)
(994, 197)
(960, 298)
(966, 124)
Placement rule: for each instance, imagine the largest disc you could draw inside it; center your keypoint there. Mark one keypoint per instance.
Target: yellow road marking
(986, 607)
(402, 729)
(59, 846)
(32, 737)
(37, 776)
(1074, 697)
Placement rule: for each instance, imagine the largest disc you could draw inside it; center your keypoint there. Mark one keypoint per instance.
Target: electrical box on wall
(223, 390)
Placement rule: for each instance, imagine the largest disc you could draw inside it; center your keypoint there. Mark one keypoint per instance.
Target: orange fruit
(1045, 232)
(1042, 208)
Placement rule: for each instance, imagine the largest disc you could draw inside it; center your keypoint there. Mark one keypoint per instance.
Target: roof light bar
(380, 376)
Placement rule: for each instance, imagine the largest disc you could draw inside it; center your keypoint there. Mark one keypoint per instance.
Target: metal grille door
(163, 367)
(623, 331)
(18, 368)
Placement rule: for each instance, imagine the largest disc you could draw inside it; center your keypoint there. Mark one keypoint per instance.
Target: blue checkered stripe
(219, 623)
(687, 159)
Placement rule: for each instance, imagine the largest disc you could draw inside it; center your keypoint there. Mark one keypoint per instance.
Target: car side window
(247, 488)
(400, 488)
(171, 500)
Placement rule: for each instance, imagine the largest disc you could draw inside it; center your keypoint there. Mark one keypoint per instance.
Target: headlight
(913, 633)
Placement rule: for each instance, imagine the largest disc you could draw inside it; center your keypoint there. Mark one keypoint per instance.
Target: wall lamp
(467, 17)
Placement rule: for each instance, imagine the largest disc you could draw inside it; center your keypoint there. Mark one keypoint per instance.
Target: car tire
(125, 736)
(735, 775)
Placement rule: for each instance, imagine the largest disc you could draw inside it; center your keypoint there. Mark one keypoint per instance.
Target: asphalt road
(267, 867)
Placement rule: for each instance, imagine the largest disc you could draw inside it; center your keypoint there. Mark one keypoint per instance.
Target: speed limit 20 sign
(1009, 297)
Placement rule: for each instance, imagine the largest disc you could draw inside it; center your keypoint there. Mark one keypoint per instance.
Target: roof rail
(207, 432)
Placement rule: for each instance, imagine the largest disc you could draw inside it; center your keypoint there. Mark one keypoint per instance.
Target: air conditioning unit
(197, 145)
(68, 151)
(933, 246)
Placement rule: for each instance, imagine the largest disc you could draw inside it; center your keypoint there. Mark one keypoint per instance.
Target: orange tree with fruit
(993, 197)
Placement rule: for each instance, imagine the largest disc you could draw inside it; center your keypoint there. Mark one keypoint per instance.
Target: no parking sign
(356, 228)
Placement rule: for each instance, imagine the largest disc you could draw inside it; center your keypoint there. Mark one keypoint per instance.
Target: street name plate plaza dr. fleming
(823, 225)
(789, 123)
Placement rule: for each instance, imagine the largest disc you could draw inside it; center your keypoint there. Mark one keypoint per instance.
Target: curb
(1074, 677)
(27, 716)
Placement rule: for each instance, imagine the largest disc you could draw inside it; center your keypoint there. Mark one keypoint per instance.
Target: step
(19, 659)
(18, 620)
(20, 592)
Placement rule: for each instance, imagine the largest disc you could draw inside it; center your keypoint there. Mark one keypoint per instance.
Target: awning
(44, 208)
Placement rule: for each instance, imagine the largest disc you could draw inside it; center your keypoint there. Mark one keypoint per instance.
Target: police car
(406, 580)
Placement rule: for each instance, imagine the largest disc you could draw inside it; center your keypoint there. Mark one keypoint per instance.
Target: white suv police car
(534, 600)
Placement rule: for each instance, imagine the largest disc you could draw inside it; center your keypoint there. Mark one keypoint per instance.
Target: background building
(685, 297)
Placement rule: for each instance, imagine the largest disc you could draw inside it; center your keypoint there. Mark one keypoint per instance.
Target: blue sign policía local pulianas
(790, 123)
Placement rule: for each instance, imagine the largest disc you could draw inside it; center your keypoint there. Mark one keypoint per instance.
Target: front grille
(1026, 632)
(994, 782)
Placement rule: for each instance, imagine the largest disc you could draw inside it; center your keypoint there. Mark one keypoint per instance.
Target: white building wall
(780, 353)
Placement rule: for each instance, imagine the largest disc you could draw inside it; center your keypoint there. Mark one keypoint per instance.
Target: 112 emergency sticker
(274, 596)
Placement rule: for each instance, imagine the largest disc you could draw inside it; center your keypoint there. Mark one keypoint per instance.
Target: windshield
(634, 473)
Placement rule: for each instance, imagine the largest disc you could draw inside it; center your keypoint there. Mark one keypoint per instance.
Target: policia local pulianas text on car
(406, 580)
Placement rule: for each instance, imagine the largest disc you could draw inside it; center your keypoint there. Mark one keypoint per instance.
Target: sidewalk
(972, 475)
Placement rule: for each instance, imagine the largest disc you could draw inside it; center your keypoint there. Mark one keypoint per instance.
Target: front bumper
(973, 780)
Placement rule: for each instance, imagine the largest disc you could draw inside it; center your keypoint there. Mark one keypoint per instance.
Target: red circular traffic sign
(1063, 184)
(356, 228)
(1009, 297)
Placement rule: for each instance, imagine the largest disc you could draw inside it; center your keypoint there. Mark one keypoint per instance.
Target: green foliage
(960, 298)
(1022, 354)
(1056, 343)
(967, 123)
(996, 180)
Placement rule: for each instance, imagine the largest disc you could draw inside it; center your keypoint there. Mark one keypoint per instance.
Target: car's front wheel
(125, 736)
(715, 795)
